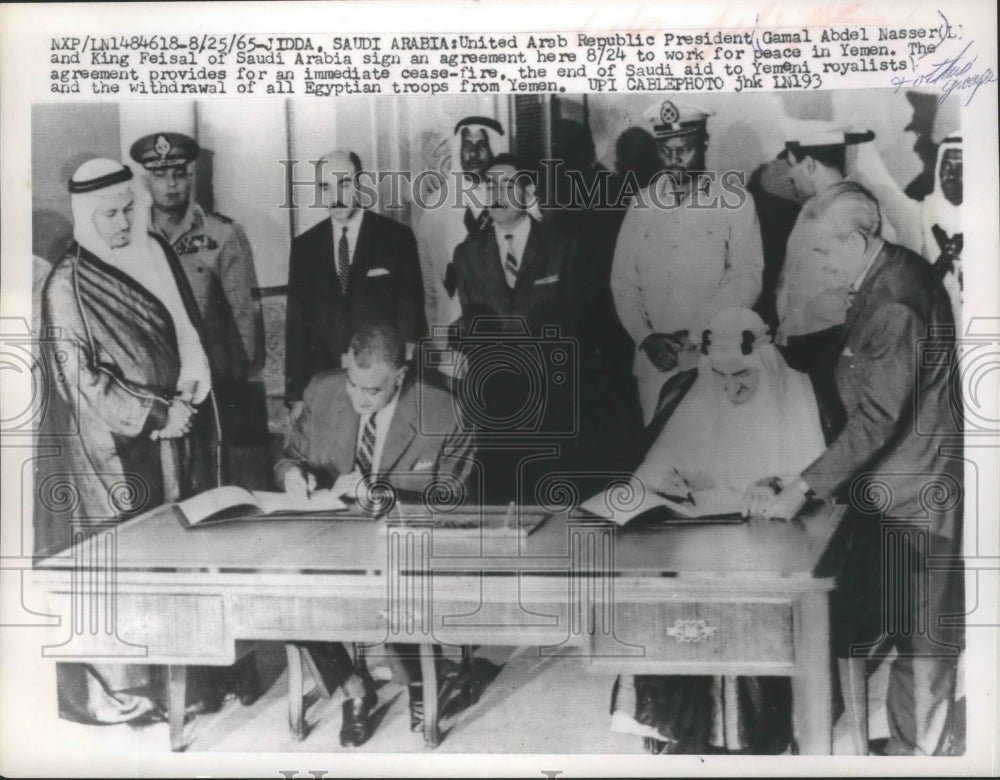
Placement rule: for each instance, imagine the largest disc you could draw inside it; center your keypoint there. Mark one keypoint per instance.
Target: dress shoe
(416, 692)
(247, 683)
(355, 727)
(464, 692)
(654, 746)
(209, 703)
(156, 714)
(877, 747)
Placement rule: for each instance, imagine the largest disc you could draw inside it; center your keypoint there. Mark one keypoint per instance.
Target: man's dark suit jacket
(546, 294)
(896, 382)
(384, 286)
(547, 281)
(424, 442)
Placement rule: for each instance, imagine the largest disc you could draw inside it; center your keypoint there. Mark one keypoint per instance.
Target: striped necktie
(343, 261)
(510, 262)
(366, 448)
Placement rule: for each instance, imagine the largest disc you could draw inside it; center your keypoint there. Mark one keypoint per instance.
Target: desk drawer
(308, 617)
(172, 628)
(699, 633)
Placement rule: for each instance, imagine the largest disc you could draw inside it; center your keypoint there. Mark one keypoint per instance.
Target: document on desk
(232, 503)
(537, 393)
(505, 521)
(716, 505)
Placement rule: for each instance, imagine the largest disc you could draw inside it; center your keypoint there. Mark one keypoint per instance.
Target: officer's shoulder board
(221, 217)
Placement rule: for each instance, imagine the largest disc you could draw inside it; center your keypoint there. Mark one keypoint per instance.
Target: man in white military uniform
(689, 247)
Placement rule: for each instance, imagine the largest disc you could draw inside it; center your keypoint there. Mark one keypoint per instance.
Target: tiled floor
(535, 705)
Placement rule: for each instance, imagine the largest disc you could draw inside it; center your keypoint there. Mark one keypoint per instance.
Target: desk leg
(177, 699)
(811, 684)
(296, 723)
(428, 670)
(854, 689)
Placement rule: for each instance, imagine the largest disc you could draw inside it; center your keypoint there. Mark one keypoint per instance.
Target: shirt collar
(687, 187)
(384, 415)
(194, 218)
(519, 233)
(876, 250)
(353, 225)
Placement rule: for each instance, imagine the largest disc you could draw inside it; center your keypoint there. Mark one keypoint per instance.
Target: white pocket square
(378, 272)
(423, 465)
(848, 353)
(548, 279)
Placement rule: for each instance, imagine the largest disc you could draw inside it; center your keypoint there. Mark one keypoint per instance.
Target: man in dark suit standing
(897, 462)
(354, 269)
(368, 420)
(518, 288)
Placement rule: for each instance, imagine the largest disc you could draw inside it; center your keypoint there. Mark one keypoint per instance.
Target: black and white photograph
(368, 411)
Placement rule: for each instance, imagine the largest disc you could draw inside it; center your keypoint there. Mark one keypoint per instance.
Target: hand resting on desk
(775, 498)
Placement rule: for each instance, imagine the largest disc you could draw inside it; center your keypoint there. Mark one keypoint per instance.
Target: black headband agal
(90, 185)
(484, 121)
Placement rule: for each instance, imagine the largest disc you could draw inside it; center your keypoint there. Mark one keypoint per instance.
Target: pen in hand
(690, 496)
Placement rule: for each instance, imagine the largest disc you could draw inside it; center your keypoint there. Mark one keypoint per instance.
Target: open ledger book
(224, 504)
(715, 505)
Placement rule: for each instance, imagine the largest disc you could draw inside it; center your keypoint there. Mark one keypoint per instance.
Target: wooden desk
(723, 599)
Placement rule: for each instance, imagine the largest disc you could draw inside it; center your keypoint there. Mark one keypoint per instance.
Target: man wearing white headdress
(941, 215)
(747, 417)
(130, 418)
(689, 247)
(452, 213)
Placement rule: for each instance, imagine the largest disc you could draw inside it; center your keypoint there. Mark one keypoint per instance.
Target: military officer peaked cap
(819, 134)
(164, 150)
(670, 117)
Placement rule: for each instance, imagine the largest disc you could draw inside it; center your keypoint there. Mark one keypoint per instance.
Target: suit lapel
(532, 251)
(362, 251)
(492, 269)
(402, 429)
(345, 435)
(326, 258)
(864, 291)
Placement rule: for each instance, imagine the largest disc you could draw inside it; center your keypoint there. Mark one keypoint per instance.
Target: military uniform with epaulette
(218, 263)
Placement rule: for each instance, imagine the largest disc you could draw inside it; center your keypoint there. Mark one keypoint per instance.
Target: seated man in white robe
(748, 416)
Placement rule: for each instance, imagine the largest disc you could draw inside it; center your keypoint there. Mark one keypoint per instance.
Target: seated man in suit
(354, 269)
(359, 423)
